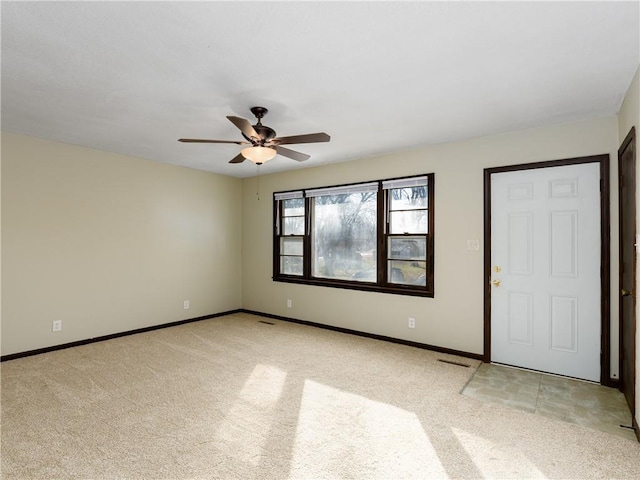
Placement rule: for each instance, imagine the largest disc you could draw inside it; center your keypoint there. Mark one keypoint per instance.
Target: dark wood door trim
(605, 249)
(629, 141)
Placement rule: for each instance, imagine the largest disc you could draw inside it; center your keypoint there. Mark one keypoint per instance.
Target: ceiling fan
(264, 143)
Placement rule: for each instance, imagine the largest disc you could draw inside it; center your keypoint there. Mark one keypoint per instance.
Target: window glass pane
(293, 225)
(344, 236)
(407, 272)
(291, 246)
(408, 198)
(293, 206)
(291, 265)
(408, 221)
(408, 248)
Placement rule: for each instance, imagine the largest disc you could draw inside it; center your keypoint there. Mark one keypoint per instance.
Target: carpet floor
(236, 398)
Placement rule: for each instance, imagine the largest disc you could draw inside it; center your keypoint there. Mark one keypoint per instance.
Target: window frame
(389, 235)
(383, 235)
(279, 226)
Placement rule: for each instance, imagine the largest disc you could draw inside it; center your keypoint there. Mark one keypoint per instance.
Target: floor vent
(454, 363)
(268, 323)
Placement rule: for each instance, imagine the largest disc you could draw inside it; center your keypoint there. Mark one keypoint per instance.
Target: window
(344, 233)
(370, 236)
(407, 231)
(292, 238)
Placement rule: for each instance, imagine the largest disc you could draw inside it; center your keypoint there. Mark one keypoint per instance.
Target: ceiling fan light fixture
(258, 135)
(258, 155)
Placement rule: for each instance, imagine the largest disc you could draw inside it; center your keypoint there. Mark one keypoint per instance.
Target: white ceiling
(133, 77)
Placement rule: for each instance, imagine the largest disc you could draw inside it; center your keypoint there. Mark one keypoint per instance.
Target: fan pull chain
(258, 183)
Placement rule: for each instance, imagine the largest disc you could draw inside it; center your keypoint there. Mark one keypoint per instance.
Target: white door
(545, 255)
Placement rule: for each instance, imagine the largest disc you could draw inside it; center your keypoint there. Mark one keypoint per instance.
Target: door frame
(605, 254)
(631, 137)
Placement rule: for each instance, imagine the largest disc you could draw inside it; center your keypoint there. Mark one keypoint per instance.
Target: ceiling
(133, 77)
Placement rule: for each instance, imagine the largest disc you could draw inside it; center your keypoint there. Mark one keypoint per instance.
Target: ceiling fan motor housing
(266, 133)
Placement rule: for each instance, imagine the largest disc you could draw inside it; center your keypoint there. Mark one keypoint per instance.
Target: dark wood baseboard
(78, 343)
(38, 351)
(449, 351)
(424, 346)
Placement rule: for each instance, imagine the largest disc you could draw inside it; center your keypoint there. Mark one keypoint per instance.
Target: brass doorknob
(626, 293)
(496, 283)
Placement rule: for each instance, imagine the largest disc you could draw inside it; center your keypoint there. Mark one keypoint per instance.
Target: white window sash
(405, 183)
(359, 188)
(288, 195)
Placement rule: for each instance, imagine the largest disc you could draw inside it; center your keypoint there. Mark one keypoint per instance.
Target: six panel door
(545, 253)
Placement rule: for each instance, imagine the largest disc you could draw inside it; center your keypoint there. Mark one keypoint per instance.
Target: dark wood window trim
(381, 285)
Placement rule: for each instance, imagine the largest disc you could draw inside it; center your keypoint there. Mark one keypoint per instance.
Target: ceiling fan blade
(308, 138)
(237, 159)
(298, 156)
(246, 127)
(199, 140)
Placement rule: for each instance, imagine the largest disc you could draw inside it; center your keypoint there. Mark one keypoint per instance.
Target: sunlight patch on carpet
(342, 435)
(494, 460)
(244, 432)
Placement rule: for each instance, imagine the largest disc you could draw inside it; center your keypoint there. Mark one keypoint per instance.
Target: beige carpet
(236, 398)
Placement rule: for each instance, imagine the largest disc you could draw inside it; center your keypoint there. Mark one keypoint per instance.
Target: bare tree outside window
(344, 236)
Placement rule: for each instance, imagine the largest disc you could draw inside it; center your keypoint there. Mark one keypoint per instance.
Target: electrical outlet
(289, 303)
(186, 304)
(412, 322)
(57, 326)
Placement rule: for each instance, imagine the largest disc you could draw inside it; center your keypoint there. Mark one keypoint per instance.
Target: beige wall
(628, 117)
(109, 243)
(454, 318)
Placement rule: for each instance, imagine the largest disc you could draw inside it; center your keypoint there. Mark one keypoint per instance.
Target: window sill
(362, 286)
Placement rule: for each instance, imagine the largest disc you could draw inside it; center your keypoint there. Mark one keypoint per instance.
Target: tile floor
(573, 401)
